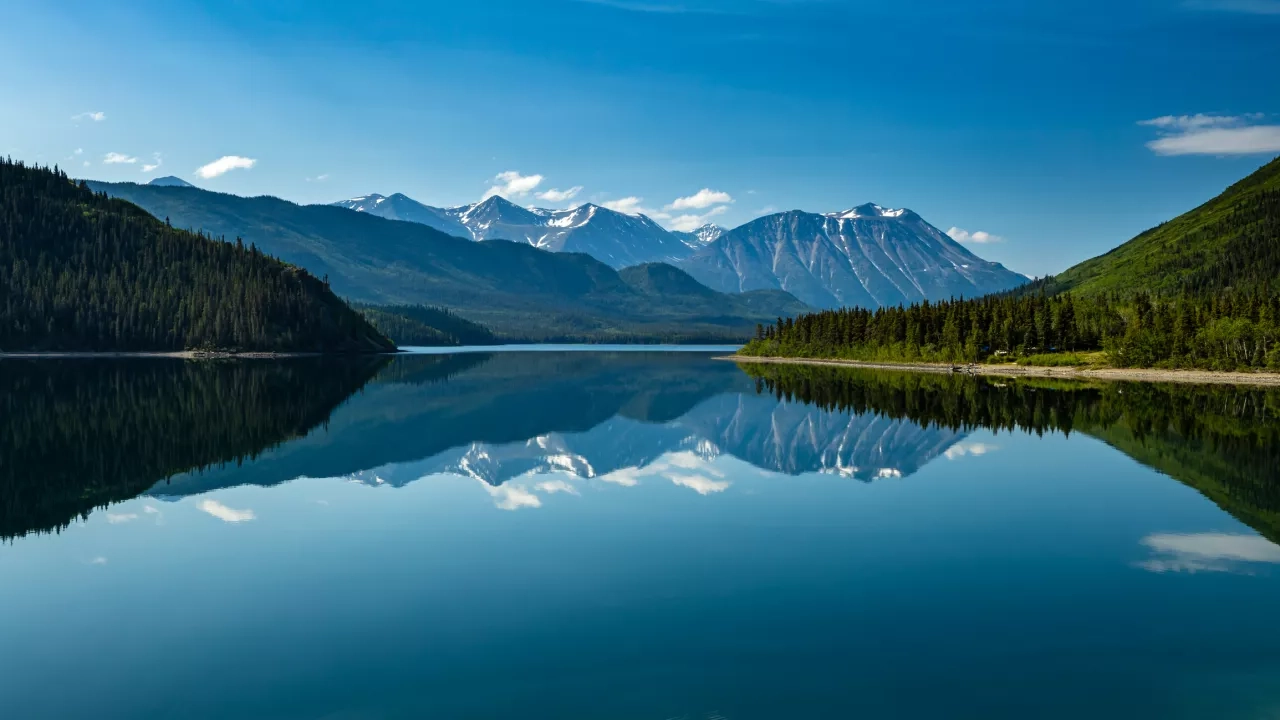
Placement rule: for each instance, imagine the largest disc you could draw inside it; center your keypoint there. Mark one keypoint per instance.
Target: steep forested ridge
(80, 271)
(1200, 291)
(425, 326)
(1232, 241)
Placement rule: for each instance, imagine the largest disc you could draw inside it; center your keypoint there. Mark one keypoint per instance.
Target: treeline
(1224, 441)
(425, 326)
(81, 272)
(79, 434)
(1224, 330)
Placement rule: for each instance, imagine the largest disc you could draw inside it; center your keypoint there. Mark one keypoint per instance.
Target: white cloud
(98, 561)
(512, 184)
(153, 165)
(980, 237)
(87, 163)
(698, 483)
(1203, 134)
(151, 509)
(78, 151)
(626, 477)
(688, 223)
(628, 205)
(558, 196)
(115, 158)
(119, 518)
(224, 513)
(1208, 552)
(319, 178)
(976, 449)
(513, 497)
(552, 487)
(225, 164)
(96, 116)
(701, 200)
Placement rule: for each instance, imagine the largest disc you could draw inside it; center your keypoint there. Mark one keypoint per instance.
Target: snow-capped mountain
(868, 256)
(790, 438)
(701, 237)
(402, 207)
(612, 237)
(615, 238)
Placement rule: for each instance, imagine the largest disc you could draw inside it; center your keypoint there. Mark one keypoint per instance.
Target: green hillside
(516, 290)
(83, 272)
(1232, 241)
(419, 325)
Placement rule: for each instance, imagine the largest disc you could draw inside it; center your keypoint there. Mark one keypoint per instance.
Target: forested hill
(1202, 290)
(82, 272)
(1232, 241)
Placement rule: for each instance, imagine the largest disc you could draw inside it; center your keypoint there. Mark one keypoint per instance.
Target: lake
(647, 535)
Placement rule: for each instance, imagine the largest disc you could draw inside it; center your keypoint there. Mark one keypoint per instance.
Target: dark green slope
(419, 325)
(512, 288)
(1231, 241)
(81, 272)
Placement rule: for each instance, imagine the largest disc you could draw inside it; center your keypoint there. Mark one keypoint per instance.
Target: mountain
(516, 290)
(401, 207)
(170, 181)
(81, 272)
(701, 237)
(1232, 241)
(612, 237)
(867, 256)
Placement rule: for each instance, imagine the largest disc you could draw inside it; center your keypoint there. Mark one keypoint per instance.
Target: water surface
(629, 535)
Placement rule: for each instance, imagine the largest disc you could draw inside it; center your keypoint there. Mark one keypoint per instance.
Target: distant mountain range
(868, 256)
(513, 417)
(515, 289)
(616, 239)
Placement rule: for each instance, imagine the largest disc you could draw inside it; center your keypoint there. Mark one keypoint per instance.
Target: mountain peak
(870, 210)
(170, 181)
(497, 201)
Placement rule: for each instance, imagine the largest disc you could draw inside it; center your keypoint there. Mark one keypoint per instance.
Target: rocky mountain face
(402, 207)
(868, 256)
(701, 237)
(614, 238)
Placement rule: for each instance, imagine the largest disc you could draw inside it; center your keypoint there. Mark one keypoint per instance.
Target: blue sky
(1020, 120)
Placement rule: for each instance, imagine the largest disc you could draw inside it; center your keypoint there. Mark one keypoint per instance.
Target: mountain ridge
(515, 289)
(1230, 240)
(867, 256)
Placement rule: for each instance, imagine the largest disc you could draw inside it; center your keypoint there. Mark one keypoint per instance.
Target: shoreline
(174, 355)
(1195, 377)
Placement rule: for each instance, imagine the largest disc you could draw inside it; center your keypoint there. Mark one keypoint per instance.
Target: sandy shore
(1198, 377)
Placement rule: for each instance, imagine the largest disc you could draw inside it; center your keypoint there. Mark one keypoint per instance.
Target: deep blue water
(600, 535)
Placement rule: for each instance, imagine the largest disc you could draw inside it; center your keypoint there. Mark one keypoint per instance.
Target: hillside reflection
(83, 434)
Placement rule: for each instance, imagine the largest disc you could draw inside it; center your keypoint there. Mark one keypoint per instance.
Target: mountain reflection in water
(84, 434)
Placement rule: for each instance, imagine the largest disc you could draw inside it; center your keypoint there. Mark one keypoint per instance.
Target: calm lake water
(629, 535)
